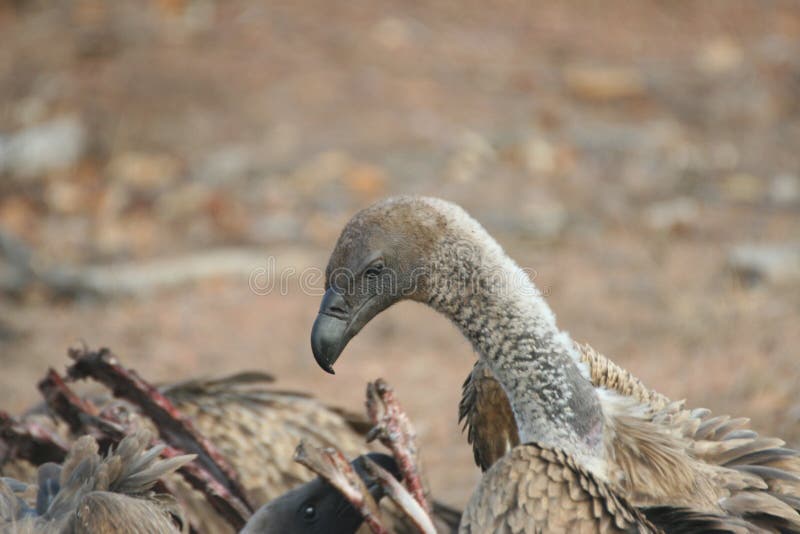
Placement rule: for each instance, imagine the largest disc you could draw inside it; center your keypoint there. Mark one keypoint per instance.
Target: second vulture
(256, 427)
(599, 451)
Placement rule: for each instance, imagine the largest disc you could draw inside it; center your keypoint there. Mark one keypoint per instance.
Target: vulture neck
(498, 308)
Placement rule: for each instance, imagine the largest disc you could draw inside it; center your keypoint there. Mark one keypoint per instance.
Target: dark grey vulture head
(386, 253)
(317, 507)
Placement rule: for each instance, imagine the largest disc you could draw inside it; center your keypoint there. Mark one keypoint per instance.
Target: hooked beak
(328, 335)
(336, 324)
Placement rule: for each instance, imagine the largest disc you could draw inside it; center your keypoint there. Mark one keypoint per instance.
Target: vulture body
(555, 493)
(256, 427)
(588, 429)
(90, 493)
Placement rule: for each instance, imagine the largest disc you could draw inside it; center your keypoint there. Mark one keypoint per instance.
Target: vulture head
(318, 507)
(388, 252)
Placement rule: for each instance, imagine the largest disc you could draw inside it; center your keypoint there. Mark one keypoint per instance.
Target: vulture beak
(337, 323)
(329, 333)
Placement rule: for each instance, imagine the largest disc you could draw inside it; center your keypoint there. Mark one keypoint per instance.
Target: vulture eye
(374, 270)
(309, 512)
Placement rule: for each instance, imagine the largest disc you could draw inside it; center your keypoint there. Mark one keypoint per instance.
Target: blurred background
(642, 156)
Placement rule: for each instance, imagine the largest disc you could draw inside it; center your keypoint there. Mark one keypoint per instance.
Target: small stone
(18, 215)
(30, 110)
(65, 237)
(471, 155)
(393, 33)
(540, 156)
(548, 223)
(64, 197)
(776, 263)
(784, 190)
(325, 168)
(37, 150)
(280, 141)
(4, 156)
(225, 166)
(777, 49)
(725, 156)
(109, 238)
(675, 215)
(794, 413)
(743, 187)
(144, 172)
(273, 193)
(184, 202)
(200, 16)
(542, 218)
(229, 216)
(112, 201)
(276, 227)
(603, 83)
(719, 56)
(200, 230)
(321, 229)
(365, 180)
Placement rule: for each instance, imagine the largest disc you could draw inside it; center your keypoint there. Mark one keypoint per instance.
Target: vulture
(90, 493)
(256, 427)
(487, 416)
(577, 443)
(317, 507)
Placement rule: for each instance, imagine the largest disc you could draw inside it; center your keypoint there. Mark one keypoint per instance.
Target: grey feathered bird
(640, 450)
(256, 427)
(90, 493)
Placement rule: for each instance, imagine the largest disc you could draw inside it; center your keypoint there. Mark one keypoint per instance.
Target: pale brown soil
(337, 106)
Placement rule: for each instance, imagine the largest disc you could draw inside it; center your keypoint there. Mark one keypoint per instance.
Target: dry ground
(620, 149)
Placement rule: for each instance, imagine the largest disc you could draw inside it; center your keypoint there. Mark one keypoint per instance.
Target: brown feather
(102, 512)
(533, 489)
(256, 426)
(487, 417)
(102, 494)
(659, 452)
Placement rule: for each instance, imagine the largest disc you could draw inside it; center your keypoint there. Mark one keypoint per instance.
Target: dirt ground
(626, 151)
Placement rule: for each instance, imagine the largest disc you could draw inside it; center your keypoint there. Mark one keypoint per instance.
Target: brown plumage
(90, 493)
(532, 489)
(645, 449)
(678, 458)
(256, 427)
(486, 413)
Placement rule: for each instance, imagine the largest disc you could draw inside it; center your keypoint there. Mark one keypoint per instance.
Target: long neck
(500, 311)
